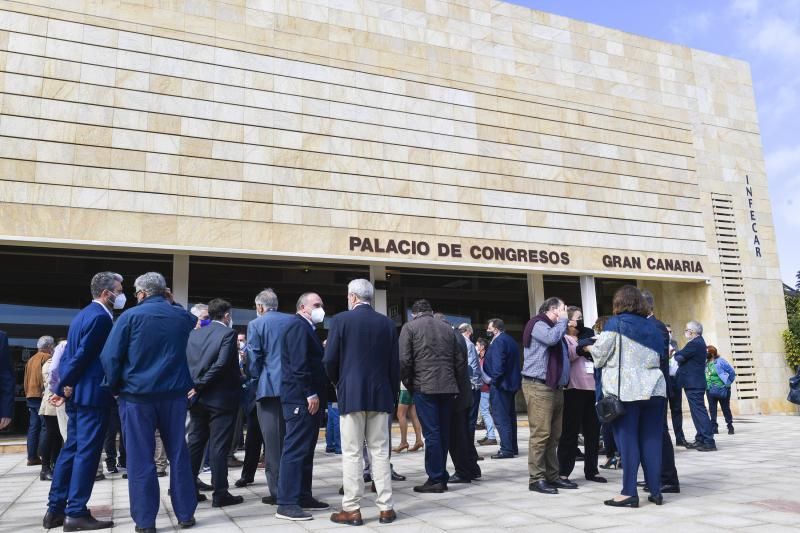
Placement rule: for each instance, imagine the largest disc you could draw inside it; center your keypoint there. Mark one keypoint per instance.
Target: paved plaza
(751, 484)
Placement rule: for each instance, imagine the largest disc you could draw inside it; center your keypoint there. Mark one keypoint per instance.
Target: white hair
(267, 299)
(151, 283)
(695, 326)
(45, 342)
(465, 328)
(197, 309)
(362, 289)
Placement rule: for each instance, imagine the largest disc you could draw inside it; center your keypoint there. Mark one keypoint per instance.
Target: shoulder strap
(619, 359)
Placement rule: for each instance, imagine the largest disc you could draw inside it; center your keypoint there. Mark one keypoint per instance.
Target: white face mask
(119, 301)
(241, 345)
(317, 315)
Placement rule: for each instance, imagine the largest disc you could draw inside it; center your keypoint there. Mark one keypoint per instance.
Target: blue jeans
(35, 427)
(505, 417)
(434, 411)
(333, 438)
(702, 423)
(487, 416)
(639, 436)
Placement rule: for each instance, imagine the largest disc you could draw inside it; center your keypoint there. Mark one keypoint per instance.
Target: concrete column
(180, 279)
(535, 292)
(588, 300)
(378, 273)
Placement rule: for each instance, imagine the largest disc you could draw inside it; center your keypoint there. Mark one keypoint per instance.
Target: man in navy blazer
(145, 364)
(81, 380)
(265, 351)
(502, 365)
(691, 378)
(362, 359)
(6, 383)
(303, 385)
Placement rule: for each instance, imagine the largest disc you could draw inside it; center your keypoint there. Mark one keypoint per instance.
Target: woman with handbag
(634, 392)
(719, 376)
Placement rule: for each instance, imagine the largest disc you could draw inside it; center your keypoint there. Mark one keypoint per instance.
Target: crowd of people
(161, 385)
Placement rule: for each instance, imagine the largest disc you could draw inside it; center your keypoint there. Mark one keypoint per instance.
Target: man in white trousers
(361, 358)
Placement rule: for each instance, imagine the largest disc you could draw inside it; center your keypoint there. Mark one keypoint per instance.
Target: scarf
(555, 353)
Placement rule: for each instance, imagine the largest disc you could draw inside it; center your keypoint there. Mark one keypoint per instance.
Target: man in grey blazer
(265, 346)
(213, 361)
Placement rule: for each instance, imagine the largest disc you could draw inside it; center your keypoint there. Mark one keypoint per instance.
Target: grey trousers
(273, 430)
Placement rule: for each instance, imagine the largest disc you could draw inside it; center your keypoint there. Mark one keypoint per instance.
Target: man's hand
(67, 392)
(313, 405)
(56, 400)
(168, 295)
(562, 312)
(191, 394)
(573, 323)
(4, 422)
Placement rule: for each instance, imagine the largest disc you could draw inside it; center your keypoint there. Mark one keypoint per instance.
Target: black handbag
(610, 407)
(794, 388)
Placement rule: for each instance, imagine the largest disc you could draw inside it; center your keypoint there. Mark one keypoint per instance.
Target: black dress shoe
(670, 489)
(480, 458)
(431, 488)
(631, 501)
(543, 487)
(46, 474)
(681, 442)
(562, 483)
(205, 487)
(269, 500)
(502, 456)
(706, 448)
(596, 479)
(200, 497)
(658, 500)
(226, 499)
(397, 477)
(313, 504)
(455, 478)
(52, 520)
(186, 524)
(242, 482)
(692, 445)
(145, 530)
(99, 477)
(86, 523)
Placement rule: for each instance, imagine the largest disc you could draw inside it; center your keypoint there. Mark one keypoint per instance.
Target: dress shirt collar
(101, 304)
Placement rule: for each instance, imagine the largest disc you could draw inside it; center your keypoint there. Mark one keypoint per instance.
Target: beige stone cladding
(510, 138)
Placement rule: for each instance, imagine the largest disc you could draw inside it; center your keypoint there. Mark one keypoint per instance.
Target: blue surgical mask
(205, 322)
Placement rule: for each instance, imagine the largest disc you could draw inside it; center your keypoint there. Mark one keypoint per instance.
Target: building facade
(479, 153)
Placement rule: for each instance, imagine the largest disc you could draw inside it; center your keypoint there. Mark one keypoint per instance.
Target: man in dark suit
(265, 351)
(81, 379)
(502, 365)
(213, 361)
(669, 473)
(303, 385)
(361, 358)
(145, 364)
(692, 379)
(6, 383)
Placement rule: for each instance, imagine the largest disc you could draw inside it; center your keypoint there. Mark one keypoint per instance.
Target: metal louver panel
(730, 264)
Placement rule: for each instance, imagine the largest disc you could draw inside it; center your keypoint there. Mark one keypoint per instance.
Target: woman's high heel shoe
(417, 446)
(400, 447)
(613, 462)
(631, 501)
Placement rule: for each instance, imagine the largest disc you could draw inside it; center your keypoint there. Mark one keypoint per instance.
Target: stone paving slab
(751, 484)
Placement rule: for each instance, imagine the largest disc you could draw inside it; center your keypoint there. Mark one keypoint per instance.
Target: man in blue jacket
(502, 365)
(362, 359)
(691, 378)
(6, 383)
(265, 351)
(145, 364)
(303, 385)
(81, 379)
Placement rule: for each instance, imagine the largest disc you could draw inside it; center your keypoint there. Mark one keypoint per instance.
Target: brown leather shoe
(351, 518)
(387, 517)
